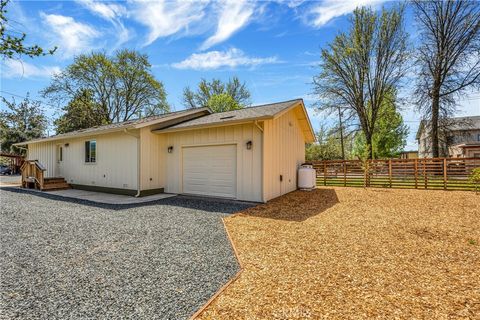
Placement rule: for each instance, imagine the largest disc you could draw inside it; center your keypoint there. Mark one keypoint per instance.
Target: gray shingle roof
(454, 124)
(251, 113)
(130, 124)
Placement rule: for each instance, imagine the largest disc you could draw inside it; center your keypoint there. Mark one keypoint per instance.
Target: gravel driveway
(67, 260)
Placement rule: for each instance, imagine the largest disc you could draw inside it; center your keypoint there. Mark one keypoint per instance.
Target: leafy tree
(390, 134)
(20, 122)
(123, 85)
(361, 66)
(328, 145)
(222, 102)
(12, 42)
(448, 59)
(214, 94)
(80, 113)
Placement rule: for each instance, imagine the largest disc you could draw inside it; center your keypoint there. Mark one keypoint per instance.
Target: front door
(58, 163)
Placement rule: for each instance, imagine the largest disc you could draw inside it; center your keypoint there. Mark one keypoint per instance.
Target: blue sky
(273, 46)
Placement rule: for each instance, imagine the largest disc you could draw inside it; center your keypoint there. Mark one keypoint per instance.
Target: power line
(24, 97)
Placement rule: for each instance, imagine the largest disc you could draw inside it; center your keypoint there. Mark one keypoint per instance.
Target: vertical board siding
(153, 150)
(115, 166)
(249, 162)
(46, 154)
(284, 153)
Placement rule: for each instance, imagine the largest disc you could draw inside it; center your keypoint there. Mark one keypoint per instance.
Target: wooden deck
(33, 177)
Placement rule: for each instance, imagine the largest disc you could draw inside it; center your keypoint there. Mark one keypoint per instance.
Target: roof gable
(260, 112)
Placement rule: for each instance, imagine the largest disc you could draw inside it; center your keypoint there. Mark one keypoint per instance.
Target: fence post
(445, 173)
(425, 173)
(390, 171)
(344, 173)
(324, 173)
(416, 173)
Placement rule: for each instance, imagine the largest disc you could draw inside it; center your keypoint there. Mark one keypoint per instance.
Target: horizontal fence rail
(428, 173)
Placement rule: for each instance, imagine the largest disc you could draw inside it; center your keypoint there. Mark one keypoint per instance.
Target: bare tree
(448, 59)
(360, 67)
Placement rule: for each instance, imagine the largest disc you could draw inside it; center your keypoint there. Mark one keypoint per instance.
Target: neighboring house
(250, 154)
(461, 139)
(409, 154)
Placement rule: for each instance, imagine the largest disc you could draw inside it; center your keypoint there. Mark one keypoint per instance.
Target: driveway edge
(229, 282)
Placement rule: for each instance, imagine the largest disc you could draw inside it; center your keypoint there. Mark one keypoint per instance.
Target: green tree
(222, 102)
(123, 85)
(390, 134)
(12, 42)
(80, 113)
(361, 66)
(218, 95)
(20, 122)
(328, 145)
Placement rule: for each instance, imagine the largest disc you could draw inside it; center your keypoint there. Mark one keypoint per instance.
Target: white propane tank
(307, 177)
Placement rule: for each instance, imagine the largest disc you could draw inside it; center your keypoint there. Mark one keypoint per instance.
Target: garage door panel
(210, 170)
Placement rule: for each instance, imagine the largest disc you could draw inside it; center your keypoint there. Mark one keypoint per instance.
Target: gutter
(138, 159)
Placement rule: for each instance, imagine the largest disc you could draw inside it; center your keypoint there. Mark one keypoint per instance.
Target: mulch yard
(356, 253)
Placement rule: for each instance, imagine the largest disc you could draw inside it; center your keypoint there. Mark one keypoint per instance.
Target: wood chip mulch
(344, 253)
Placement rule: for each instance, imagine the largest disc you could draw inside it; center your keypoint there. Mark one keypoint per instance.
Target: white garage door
(210, 170)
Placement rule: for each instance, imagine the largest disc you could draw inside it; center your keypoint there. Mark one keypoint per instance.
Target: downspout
(258, 126)
(262, 158)
(138, 159)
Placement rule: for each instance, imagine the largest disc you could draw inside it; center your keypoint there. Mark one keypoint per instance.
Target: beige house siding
(249, 162)
(46, 154)
(115, 166)
(284, 152)
(153, 152)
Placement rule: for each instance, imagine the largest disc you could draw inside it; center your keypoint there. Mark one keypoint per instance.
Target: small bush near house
(475, 178)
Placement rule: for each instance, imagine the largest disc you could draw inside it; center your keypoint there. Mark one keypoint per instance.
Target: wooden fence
(429, 173)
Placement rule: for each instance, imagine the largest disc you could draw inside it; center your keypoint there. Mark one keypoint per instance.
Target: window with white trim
(91, 151)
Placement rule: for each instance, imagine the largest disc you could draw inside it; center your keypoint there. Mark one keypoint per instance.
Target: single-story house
(250, 154)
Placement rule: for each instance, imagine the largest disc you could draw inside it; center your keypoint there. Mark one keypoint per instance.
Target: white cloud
(233, 15)
(105, 10)
(111, 12)
(216, 59)
(327, 10)
(166, 18)
(21, 69)
(71, 37)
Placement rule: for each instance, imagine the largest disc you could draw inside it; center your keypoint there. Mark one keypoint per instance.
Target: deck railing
(428, 173)
(32, 173)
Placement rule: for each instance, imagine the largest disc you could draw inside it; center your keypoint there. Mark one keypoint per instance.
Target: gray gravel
(75, 260)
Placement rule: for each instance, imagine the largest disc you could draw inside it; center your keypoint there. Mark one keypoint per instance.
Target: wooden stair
(55, 183)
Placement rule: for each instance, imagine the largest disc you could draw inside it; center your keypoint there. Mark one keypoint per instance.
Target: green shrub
(475, 178)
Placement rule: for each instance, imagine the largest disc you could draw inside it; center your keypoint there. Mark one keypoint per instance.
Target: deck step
(53, 180)
(56, 186)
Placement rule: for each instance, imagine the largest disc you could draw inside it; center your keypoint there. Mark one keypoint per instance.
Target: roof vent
(227, 117)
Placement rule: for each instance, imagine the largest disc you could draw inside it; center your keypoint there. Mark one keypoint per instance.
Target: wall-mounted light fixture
(67, 144)
(170, 149)
(249, 145)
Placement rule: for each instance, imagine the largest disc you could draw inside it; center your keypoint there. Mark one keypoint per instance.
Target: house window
(91, 151)
(478, 137)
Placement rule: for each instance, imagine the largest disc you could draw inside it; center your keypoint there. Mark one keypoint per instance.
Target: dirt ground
(354, 253)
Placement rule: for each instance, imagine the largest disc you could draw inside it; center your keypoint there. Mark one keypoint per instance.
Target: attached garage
(250, 154)
(210, 170)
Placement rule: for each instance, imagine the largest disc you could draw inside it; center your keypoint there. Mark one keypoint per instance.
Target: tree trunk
(434, 124)
(368, 139)
(341, 133)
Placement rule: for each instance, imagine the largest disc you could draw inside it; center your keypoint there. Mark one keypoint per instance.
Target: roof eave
(78, 135)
